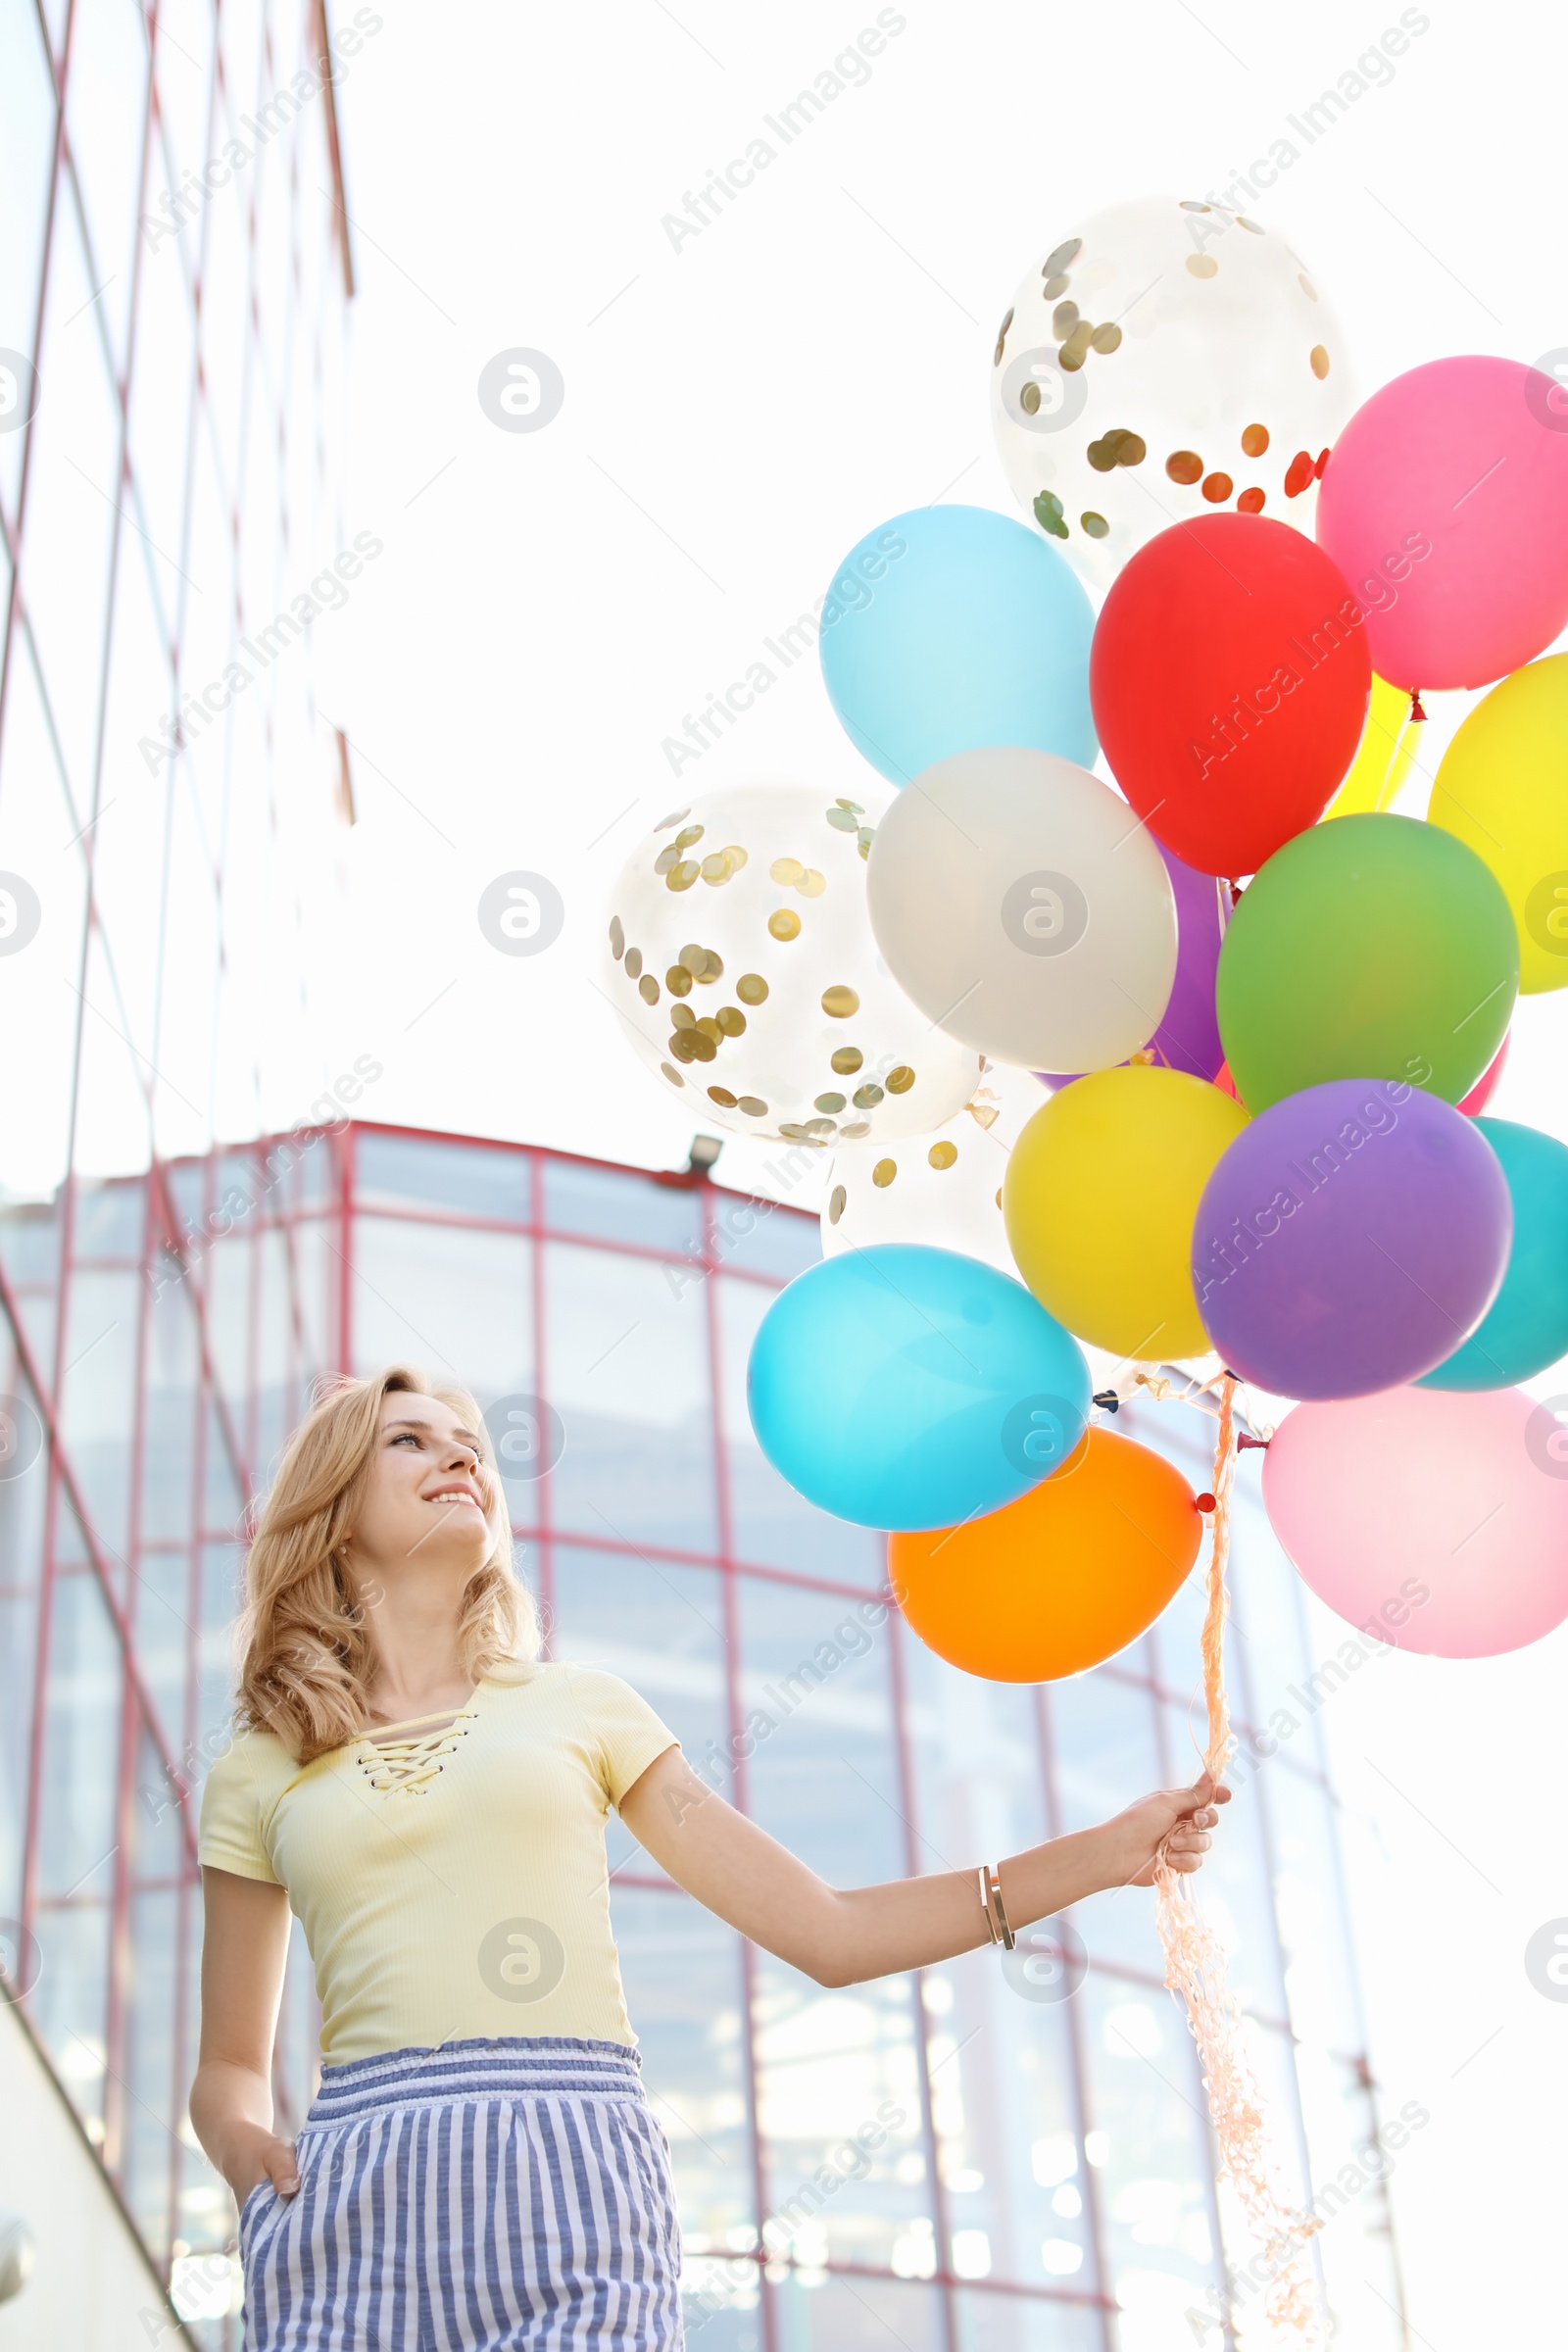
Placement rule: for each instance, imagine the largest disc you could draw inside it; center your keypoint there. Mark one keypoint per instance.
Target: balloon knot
(1107, 1400)
(1243, 1441)
(1205, 1502)
(1417, 715)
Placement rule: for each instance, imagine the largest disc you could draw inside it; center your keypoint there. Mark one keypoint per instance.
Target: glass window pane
(835, 2069)
(823, 2313)
(1104, 1755)
(432, 1173)
(1009, 2324)
(29, 1242)
(23, 1491)
(1149, 2145)
(81, 1698)
(169, 1452)
(821, 1762)
(1005, 2113)
(98, 1400)
(147, 2118)
(82, 1741)
(70, 2003)
(978, 1771)
(615, 1204)
(456, 1303)
(221, 1574)
(107, 1219)
(627, 1373)
(161, 1619)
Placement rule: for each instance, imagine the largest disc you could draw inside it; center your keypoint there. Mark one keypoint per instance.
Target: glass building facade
(175, 275)
(958, 2160)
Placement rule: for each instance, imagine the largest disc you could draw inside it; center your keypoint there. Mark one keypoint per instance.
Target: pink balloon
(1436, 1519)
(1445, 504)
(1486, 1086)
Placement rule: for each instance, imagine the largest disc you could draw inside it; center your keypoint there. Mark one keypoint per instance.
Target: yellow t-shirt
(449, 1887)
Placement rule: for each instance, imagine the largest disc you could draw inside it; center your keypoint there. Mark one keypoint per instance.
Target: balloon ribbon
(1195, 1967)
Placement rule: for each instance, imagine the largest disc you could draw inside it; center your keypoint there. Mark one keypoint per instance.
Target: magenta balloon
(1349, 1239)
(1188, 1037)
(1436, 1519)
(1445, 504)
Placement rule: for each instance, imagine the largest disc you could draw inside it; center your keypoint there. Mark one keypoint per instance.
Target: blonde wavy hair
(307, 1648)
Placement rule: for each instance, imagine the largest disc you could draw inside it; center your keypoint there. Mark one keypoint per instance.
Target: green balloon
(1368, 947)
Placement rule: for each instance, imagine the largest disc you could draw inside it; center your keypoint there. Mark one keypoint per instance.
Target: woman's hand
(847, 1938)
(1182, 1816)
(252, 2154)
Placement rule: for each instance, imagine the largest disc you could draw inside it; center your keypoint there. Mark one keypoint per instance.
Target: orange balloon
(1225, 1082)
(1062, 1579)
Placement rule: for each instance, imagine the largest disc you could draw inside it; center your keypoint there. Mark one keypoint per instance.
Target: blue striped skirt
(481, 2197)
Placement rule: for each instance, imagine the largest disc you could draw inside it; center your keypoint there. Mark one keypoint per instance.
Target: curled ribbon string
(1195, 1969)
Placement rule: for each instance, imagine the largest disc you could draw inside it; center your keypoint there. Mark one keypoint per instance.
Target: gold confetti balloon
(942, 1189)
(739, 956)
(1169, 357)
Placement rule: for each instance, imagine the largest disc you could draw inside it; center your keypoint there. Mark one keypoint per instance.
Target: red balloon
(1486, 1086)
(1229, 678)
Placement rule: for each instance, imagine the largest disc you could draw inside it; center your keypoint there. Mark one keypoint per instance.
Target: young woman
(480, 2169)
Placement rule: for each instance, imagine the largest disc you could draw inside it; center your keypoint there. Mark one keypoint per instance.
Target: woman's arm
(244, 1946)
(759, 1887)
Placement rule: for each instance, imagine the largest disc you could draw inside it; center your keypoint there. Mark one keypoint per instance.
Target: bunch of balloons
(1267, 1010)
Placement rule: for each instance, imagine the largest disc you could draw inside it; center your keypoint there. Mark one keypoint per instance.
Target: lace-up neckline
(410, 1755)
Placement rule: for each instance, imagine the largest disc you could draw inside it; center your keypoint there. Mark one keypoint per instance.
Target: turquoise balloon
(1526, 1327)
(954, 629)
(901, 1386)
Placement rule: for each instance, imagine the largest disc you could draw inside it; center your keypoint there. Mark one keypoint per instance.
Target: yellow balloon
(1502, 789)
(1099, 1197)
(1383, 761)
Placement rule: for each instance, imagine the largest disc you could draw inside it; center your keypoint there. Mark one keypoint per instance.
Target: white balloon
(1025, 909)
(742, 963)
(944, 1190)
(1164, 334)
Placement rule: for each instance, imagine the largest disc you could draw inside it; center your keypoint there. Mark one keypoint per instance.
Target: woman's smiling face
(428, 1505)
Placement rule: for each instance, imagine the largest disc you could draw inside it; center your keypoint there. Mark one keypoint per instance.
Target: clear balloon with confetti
(943, 1189)
(741, 963)
(1162, 359)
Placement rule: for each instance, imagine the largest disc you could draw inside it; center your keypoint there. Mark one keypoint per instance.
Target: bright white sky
(736, 414)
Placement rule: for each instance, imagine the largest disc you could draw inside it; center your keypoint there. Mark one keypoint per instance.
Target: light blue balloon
(954, 629)
(901, 1386)
(1526, 1327)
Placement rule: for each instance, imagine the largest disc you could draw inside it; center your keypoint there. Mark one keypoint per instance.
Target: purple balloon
(1188, 1037)
(1350, 1239)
